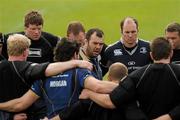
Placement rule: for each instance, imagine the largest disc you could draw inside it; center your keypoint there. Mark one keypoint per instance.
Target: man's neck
(84, 50)
(164, 61)
(16, 58)
(130, 45)
(127, 45)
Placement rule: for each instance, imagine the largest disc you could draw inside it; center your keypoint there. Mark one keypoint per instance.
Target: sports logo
(143, 50)
(117, 52)
(130, 63)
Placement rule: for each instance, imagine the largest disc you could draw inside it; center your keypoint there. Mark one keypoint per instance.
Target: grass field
(153, 15)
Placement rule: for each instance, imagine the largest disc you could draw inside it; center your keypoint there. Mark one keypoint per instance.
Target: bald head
(128, 20)
(129, 31)
(117, 71)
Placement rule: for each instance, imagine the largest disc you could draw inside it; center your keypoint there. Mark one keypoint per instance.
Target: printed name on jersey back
(60, 83)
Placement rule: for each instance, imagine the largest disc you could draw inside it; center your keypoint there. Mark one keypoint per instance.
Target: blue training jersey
(57, 90)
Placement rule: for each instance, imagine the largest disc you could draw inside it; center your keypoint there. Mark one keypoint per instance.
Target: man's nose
(130, 34)
(37, 31)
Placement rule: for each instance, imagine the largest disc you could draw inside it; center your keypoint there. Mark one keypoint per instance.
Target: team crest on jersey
(143, 50)
(117, 52)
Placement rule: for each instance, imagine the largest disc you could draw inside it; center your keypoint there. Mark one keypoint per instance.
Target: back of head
(75, 27)
(117, 71)
(161, 48)
(65, 50)
(33, 18)
(173, 27)
(17, 44)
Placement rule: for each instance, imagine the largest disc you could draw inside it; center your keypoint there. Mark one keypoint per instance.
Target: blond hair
(17, 44)
(117, 71)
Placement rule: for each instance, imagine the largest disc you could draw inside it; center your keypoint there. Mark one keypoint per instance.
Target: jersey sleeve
(37, 87)
(123, 93)
(82, 74)
(36, 71)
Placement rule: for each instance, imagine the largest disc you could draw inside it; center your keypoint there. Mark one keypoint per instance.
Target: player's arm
(58, 67)
(19, 104)
(164, 117)
(101, 99)
(98, 85)
(40, 71)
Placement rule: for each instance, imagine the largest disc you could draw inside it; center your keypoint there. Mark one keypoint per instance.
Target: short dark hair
(75, 27)
(33, 18)
(65, 50)
(98, 32)
(122, 22)
(173, 27)
(160, 48)
(1, 38)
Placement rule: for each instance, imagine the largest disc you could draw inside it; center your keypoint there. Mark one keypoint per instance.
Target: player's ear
(151, 56)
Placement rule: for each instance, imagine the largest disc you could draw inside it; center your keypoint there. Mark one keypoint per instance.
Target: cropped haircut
(99, 33)
(118, 71)
(122, 22)
(75, 27)
(17, 44)
(173, 27)
(160, 48)
(1, 38)
(33, 18)
(65, 50)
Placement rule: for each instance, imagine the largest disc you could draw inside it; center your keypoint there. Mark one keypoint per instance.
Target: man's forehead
(169, 34)
(34, 26)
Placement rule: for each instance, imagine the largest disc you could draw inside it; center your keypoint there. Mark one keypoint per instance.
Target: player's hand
(84, 94)
(84, 64)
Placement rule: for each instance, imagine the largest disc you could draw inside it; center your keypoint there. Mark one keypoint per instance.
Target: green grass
(153, 15)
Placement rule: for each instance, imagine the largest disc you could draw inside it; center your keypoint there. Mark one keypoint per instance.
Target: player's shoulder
(113, 46)
(143, 41)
